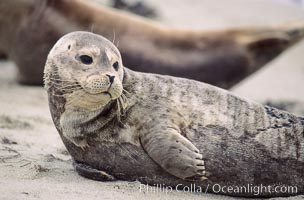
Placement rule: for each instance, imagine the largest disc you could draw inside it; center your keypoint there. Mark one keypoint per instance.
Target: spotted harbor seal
(121, 124)
(221, 58)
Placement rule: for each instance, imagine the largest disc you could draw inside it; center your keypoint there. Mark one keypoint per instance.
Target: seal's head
(86, 68)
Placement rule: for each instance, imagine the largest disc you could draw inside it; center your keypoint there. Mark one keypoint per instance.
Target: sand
(34, 163)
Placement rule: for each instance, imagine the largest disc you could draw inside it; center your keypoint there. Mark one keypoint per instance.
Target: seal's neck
(74, 123)
(74, 120)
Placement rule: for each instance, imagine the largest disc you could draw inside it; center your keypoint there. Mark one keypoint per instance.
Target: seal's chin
(110, 95)
(113, 94)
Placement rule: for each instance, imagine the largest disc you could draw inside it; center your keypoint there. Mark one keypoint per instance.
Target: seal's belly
(125, 162)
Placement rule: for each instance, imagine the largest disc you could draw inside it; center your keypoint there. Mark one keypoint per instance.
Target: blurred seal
(221, 58)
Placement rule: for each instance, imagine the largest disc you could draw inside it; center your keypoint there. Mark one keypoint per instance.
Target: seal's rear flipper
(265, 44)
(92, 173)
(264, 47)
(295, 32)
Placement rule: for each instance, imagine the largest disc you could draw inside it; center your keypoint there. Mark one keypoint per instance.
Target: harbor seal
(161, 130)
(222, 58)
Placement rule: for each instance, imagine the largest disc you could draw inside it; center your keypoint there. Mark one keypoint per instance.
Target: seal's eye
(85, 59)
(115, 65)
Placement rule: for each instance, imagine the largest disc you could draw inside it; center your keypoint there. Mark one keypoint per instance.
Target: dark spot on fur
(173, 147)
(217, 129)
(69, 47)
(291, 121)
(167, 165)
(114, 134)
(275, 113)
(162, 116)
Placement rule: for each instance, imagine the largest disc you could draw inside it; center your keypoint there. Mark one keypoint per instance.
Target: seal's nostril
(111, 78)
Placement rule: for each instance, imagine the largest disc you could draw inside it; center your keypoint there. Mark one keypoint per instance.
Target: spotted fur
(165, 130)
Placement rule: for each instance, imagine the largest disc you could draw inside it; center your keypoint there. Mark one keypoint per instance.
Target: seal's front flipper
(174, 153)
(91, 173)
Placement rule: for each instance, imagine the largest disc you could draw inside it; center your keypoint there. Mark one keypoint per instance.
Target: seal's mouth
(98, 87)
(108, 93)
(96, 92)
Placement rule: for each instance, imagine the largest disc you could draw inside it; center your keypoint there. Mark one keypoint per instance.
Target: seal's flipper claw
(196, 178)
(174, 153)
(80, 142)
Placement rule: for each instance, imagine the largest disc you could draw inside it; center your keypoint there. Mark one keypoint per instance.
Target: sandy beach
(34, 163)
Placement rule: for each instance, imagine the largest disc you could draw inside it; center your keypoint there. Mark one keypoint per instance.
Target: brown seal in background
(29, 28)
